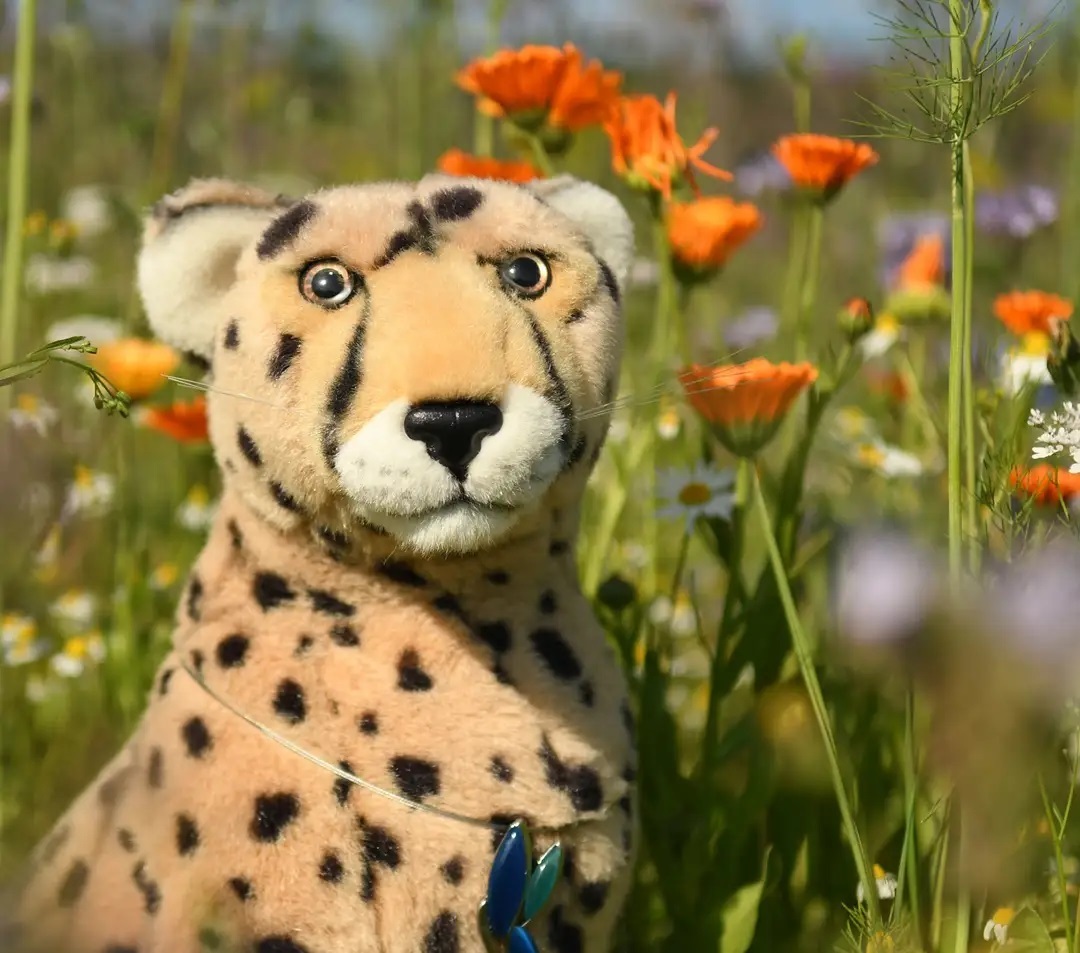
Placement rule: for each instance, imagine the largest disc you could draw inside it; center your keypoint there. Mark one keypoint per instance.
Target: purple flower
(751, 327)
(1016, 213)
(761, 173)
(898, 234)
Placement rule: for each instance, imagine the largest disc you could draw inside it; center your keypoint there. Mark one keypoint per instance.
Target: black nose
(453, 431)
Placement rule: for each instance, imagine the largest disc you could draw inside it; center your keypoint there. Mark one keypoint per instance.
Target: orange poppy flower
(705, 232)
(924, 266)
(1025, 311)
(646, 148)
(184, 421)
(822, 164)
(456, 162)
(746, 403)
(586, 95)
(135, 366)
(1046, 485)
(518, 81)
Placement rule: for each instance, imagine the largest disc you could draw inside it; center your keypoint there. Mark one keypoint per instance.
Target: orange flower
(518, 81)
(1025, 311)
(586, 96)
(646, 148)
(823, 164)
(746, 403)
(924, 266)
(135, 366)
(1046, 485)
(456, 162)
(888, 384)
(704, 233)
(184, 421)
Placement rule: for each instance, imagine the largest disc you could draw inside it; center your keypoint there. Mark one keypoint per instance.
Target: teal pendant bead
(542, 881)
(506, 882)
(521, 942)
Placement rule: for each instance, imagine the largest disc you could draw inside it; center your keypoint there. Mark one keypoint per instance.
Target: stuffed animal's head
(423, 360)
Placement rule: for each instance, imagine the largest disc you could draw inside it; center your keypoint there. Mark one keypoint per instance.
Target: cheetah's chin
(455, 529)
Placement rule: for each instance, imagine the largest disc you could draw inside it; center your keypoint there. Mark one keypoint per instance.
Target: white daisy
(881, 337)
(16, 627)
(89, 491)
(31, 412)
(668, 424)
(700, 491)
(853, 424)
(197, 511)
(1026, 365)
(75, 607)
(886, 885)
(46, 274)
(77, 653)
(887, 460)
(19, 640)
(678, 616)
(87, 208)
(38, 689)
(998, 925)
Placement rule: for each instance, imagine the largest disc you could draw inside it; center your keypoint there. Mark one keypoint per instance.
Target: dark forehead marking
(423, 227)
(608, 277)
(420, 235)
(285, 229)
(453, 204)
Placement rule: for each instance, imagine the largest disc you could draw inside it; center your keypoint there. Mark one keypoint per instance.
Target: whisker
(203, 386)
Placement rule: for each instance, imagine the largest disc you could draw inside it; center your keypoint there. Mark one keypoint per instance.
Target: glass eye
(528, 275)
(328, 283)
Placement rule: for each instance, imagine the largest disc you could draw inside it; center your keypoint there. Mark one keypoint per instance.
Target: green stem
(796, 264)
(957, 366)
(484, 129)
(970, 475)
(802, 105)
(1059, 860)
(911, 785)
(172, 98)
(17, 187)
(1070, 217)
(804, 656)
(808, 290)
(540, 156)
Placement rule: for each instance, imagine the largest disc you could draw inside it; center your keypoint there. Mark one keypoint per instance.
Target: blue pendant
(506, 882)
(521, 942)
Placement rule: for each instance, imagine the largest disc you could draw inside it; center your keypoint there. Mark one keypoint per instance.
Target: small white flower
(692, 662)
(635, 555)
(75, 607)
(39, 689)
(886, 885)
(679, 617)
(1023, 366)
(47, 274)
(77, 653)
(668, 424)
(33, 413)
(700, 491)
(89, 491)
(881, 337)
(852, 424)
(15, 627)
(998, 925)
(19, 640)
(197, 511)
(1061, 433)
(87, 208)
(887, 460)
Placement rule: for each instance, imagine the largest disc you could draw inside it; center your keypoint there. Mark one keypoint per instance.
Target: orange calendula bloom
(822, 164)
(184, 421)
(586, 96)
(456, 162)
(746, 403)
(925, 265)
(1023, 312)
(646, 148)
(1046, 485)
(135, 366)
(704, 233)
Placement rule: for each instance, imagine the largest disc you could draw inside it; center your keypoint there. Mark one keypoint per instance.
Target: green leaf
(21, 371)
(740, 915)
(63, 343)
(1028, 933)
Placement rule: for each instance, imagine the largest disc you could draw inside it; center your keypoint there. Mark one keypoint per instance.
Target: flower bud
(856, 319)
(616, 593)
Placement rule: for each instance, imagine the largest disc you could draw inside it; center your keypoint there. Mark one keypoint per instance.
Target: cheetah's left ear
(599, 214)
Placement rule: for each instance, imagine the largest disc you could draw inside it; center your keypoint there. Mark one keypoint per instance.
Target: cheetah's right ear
(192, 241)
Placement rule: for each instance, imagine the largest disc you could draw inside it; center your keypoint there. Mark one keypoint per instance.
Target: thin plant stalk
(1070, 217)
(804, 657)
(17, 188)
(172, 97)
(911, 785)
(1057, 831)
(540, 156)
(809, 286)
(972, 503)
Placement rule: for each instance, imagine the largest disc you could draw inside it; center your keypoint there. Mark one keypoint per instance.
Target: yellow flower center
(879, 872)
(1003, 916)
(694, 494)
(77, 647)
(166, 573)
(84, 476)
(27, 403)
(199, 495)
(1035, 344)
(870, 456)
(886, 324)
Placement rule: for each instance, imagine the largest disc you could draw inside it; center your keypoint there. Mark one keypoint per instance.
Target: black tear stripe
(345, 386)
(284, 498)
(287, 350)
(559, 391)
(608, 278)
(285, 229)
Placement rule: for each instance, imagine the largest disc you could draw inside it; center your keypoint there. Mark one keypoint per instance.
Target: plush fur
(423, 630)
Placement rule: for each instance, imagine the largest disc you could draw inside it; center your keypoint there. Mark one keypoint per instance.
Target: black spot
(578, 451)
(402, 573)
(126, 840)
(502, 676)
(120, 948)
(333, 538)
(271, 590)
(197, 661)
(564, 937)
(163, 685)
(154, 768)
(232, 651)
(400, 242)
(198, 361)
(149, 889)
(285, 229)
(448, 603)
(453, 870)
(547, 602)
(442, 935)
(187, 835)
(241, 887)
(416, 778)
(344, 388)
(422, 228)
(626, 805)
(303, 645)
(52, 846)
(558, 547)
(279, 944)
(368, 723)
(248, 448)
(283, 497)
(232, 335)
(367, 883)
(235, 536)
(344, 635)
(607, 276)
(450, 205)
(593, 896)
(496, 635)
(331, 869)
(289, 701)
(196, 737)
(111, 789)
(343, 788)
(556, 653)
(73, 884)
(587, 694)
(323, 601)
(580, 782)
(498, 577)
(287, 349)
(411, 677)
(273, 813)
(501, 770)
(627, 718)
(502, 823)
(381, 847)
(194, 598)
(575, 316)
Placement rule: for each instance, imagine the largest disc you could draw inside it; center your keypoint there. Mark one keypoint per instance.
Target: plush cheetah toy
(402, 379)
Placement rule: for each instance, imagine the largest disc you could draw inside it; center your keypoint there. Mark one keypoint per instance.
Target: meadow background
(949, 762)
